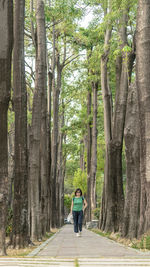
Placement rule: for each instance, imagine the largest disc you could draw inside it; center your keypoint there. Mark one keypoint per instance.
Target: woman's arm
(84, 204)
(71, 206)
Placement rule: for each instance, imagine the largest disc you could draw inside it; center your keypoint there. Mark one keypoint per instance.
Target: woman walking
(78, 206)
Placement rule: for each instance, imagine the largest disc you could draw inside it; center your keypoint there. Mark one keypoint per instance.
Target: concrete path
(64, 249)
(65, 244)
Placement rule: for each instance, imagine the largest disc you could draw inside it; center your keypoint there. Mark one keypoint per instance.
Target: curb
(39, 248)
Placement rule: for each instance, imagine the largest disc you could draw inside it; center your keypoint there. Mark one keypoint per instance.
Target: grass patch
(99, 232)
(142, 244)
(76, 263)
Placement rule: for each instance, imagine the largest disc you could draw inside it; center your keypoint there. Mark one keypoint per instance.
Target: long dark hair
(78, 189)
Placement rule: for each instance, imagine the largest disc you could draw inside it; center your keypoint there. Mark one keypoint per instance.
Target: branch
(27, 34)
(29, 85)
(65, 49)
(32, 76)
(55, 23)
(70, 60)
(32, 72)
(33, 35)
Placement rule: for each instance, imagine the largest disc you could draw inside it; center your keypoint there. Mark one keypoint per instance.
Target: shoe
(77, 234)
(80, 233)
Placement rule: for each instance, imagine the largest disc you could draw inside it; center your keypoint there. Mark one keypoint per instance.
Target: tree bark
(54, 144)
(55, 135)
(6, 33)
(35, 159)
(43, 145)
(113, 196)
(132, 147)
(61, 167)
(20, 205)
(11, 164)
(107, 128)
(94, 147)
(89, 145)
(143, 92)
(49, 147)
(82, 150)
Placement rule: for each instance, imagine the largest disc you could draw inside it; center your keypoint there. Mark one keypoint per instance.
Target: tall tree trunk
(49, 114)
(35, 160)
(55, 137)
(11, 164)
(143, 92)
(58, 182)
(61, 169)
(113, 196)
(20, 204)
(132, 146)
(94, 147)
(113, 168)
(49, 147)
(89, 145)
(107, 128)
(54, 144)
(43, 145)
(29, 182)
(82, 160)
(6, 33)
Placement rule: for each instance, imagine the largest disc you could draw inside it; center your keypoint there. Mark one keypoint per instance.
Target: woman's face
(78, 193)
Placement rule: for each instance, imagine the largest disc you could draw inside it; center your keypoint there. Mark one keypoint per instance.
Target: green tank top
(77, 203)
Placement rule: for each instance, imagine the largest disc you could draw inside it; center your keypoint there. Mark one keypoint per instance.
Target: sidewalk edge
(39, 248)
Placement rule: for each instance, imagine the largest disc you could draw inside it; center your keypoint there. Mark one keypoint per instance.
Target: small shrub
(134, 245)
(96, 213)
(148, 242)
(142, 243)
(9, 222)
(67, 201)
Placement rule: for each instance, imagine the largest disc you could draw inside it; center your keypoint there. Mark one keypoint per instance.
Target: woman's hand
(71, 207)
(85, 205)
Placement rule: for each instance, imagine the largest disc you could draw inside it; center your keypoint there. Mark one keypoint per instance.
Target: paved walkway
(65, 244)
(64, 249)
(89, 250)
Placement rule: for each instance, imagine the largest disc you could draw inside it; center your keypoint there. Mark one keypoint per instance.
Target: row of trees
(129, 212)
(34, 186)
(65, 79)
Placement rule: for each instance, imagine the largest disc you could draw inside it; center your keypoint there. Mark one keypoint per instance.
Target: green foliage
(100, 167)
(9, 222)
(80, 180)
(67, 201)
(99, 232)
(76, 263)
(71, 166)
(143, 243)
(63, 9)
(134, 245)
(127, 49)
(11, 119)
(148, 242)
(86, 45)
(96, 213)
